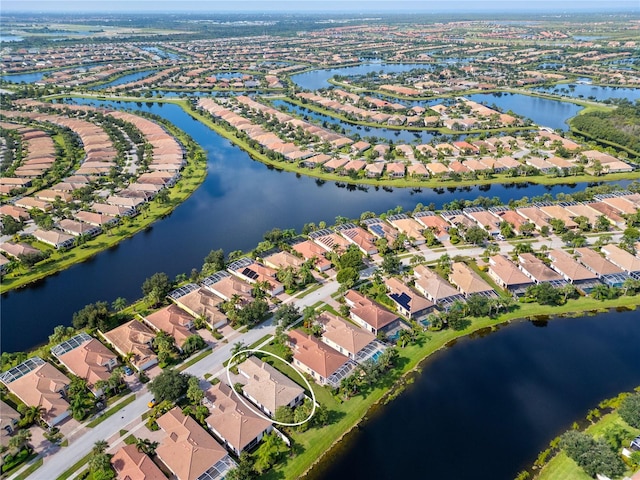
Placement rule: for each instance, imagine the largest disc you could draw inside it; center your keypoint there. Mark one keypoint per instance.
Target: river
(484, 408)
(239, 201)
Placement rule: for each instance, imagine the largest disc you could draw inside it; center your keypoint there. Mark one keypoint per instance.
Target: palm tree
(20, 440)
(31, 415)
(99, 447)
(146, 446)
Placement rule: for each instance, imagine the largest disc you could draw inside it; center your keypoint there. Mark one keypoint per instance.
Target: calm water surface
(239, 201)
(485, 408)
(131, 77)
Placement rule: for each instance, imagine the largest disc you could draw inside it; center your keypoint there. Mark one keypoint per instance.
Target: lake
(239, 201)
(485, 407)
(131, 77)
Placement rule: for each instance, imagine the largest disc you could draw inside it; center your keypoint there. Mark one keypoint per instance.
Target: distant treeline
(620, 126)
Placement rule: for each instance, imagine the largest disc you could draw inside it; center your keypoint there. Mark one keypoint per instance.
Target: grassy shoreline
(320, 443)
(192, 177)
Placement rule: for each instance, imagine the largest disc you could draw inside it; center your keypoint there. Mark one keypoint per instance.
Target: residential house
(537, 270)
(311, 251)
(408, 226)
(434, 287)
(406, 300)
(507, 274)
(39, 384)
(572, 270)
(253, 272)
(134, 338)
(174, 321)
(55, 238)
(188, 451)
(356, 343)
(198, 301)
(267, 387)
(623, 259)
(468, 281)
(326, 365)
(370, 314)
(283, 259)
(435, 223)
(329, 240)
(8, 421)
(87, 358)
(359, 237)
(228, 287)
(131, 464)
(235, 424)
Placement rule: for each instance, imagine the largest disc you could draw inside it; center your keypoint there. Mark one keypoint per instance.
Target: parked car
(128, 371)
(152, 403)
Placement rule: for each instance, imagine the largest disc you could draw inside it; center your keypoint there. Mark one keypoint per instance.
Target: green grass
(309, 290)
(317, 442)
(32, 468)
(561, 467)
(22, 457)
(207, 351)
(111, 411)
(58, 261)
(130, 440)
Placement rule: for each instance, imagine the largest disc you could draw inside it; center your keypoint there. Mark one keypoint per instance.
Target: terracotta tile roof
(536, 268)
(569, 267)
(174, 321)
(188, 450)
(130, 464)
(506, 272)
(433, 285)
(622, 258)
(596, 262)
(89, 361)
(344, 334)
(319, 357)
(267, 385)
(467, 280)
(369, 311)
(133, 337)
(230, 419)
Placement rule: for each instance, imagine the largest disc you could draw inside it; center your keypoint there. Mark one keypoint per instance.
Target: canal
(485, 407)
(239, 201)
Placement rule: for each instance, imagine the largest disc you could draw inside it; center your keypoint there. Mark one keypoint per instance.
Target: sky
(159, 6)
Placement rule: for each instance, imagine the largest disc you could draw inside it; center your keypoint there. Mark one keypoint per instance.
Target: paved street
(58, 460)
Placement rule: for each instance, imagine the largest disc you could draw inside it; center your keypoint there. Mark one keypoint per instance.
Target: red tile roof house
(507, 274)
(408, 302)
(17, 249)
(434, 287)
(38, 383)
(283, 259)
(468, 281)
(136, 338)
(235, 424)
(268, 388)
(536, 269)
(189, 451)
(369, 314)
(225, 285)
(364, 240)
(329, 240)
(252, 271)
(409, 227)
(76, 228)
(55, 238)
(174, 321)
(310, 250)
(623, 259)
(131, 464)
(571, 269)
(326, 365)
(596, 262)
(197, 301)
(8, 421)
(438, 225)
(87, 358)
(355, 342)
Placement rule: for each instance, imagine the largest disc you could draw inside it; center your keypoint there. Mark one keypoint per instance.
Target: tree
(476, 235)
(99, 447)
(9, 225)
(119, 304)
(193, 343)
(506, 229)
(391, 264)
(629, 410)
(213, 262)
(194, 392)
(30, 414)
(347, 276)
(352, 258)
(284, 414)
(20, 440)
(267, 454)
(169, 385)
(287, 314)
(544, 294)
(244, 470)
(146, 446)
(94, 315)
(156, 287)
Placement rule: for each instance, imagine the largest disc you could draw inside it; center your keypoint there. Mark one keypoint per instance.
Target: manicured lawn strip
(260, 341)
(32, 468)
(316, 442)
(561, 467)
(18, 461)
(192, 176)
(309, 290)
(111, 411)
(75, 467)
(207, 351)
